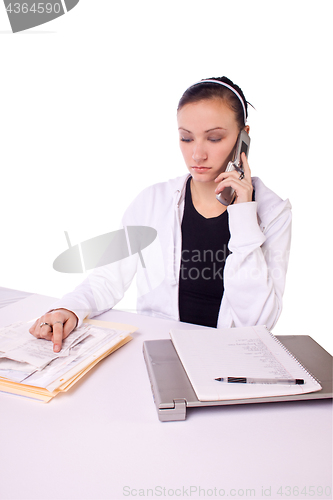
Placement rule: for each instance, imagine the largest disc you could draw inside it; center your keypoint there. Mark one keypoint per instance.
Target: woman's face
(208, 132)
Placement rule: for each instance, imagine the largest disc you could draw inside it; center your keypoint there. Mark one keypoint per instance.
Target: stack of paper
(29, 367)
(248, 353)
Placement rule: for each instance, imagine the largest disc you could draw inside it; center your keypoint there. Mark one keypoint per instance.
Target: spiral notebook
(251, 353)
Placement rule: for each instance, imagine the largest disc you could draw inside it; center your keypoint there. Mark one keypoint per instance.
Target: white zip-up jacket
(254, 272)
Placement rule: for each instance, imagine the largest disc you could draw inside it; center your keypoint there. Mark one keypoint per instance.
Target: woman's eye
(184, 139)
(215, 139)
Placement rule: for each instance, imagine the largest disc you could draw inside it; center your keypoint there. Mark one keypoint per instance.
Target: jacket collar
(180, 188)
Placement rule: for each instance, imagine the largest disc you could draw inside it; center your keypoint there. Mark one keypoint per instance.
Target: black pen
(248, 380)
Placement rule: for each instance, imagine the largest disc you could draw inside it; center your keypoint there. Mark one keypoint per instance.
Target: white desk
(103, 439)
(9, 296)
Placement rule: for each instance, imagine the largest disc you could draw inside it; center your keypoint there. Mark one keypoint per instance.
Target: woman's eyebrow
(215, 128)
(206, 131)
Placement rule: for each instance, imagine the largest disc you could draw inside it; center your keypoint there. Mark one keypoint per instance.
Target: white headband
(224, 85)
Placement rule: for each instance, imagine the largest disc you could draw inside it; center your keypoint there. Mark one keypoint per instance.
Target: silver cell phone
(242, 146)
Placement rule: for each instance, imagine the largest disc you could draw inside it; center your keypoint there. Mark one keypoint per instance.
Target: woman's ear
(247, 128)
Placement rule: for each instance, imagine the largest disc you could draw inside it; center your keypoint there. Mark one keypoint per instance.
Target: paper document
(250, 352)
(32, 362)
(14, 370)
(16, 343)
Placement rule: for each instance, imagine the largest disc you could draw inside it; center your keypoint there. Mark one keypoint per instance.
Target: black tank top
(204, 251)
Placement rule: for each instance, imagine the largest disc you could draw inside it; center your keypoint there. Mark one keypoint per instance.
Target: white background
(88, 119)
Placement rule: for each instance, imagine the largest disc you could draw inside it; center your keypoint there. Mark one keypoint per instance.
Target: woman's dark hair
(209, 90)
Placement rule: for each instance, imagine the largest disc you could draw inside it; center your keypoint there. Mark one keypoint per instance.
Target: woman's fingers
(58, 335)
(42, 329)
(54, 326)
(62, 330)
(241, 184)
(246, 167)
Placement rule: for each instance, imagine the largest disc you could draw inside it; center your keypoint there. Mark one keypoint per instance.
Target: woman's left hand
(242, 187)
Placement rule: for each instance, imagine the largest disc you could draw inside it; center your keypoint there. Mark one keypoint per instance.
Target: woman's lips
(200, 169)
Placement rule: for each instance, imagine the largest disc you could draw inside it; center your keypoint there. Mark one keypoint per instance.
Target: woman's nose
(199, 153)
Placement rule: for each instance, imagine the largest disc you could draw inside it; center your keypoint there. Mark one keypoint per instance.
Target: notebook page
(238, 352)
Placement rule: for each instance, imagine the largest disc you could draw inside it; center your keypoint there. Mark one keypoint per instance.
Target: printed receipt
(17, 344)
(30, 361)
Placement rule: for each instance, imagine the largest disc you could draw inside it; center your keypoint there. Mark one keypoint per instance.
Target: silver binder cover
(173, 392)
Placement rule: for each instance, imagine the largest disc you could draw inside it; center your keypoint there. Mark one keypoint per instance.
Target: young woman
(210, 264)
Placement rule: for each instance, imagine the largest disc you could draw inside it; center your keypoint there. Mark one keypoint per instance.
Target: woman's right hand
(60, 323)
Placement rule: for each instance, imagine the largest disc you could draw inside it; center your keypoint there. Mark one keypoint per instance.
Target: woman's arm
(103, 288)
(255, 271)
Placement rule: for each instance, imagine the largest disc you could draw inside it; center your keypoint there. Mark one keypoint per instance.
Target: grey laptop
(173, 393)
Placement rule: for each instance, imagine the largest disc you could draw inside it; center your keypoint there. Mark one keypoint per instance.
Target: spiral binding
(293, 357)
